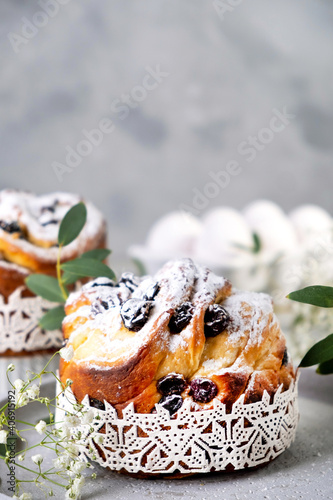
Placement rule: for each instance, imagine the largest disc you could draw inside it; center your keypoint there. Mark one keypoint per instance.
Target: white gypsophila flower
(41, 427)
(26, 496)
(87, 417)
(75, 490)
(76, 468)
(19, 384)
(67, 353)
(11, 367)
(37, 459)
(98, 438)
(72, 420)
(65, 432)
(62, 462)
(3, 437)
(21, 399)
(20, 458)
(72, 450)
(33, 391)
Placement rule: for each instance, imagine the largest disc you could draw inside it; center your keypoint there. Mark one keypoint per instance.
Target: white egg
(172, 236)
(225, 241)
(275, 231)
(311, 223)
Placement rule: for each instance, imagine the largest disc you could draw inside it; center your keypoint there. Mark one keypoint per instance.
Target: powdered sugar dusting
(178, 281)
(39, 218)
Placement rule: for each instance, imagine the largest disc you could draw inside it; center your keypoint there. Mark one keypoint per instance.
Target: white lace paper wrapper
(19, 329)
(190, 441)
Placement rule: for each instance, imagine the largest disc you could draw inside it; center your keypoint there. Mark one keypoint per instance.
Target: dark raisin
(171, 403)
(49, 222)
(96, 403)
(10, 227)
(151, 291)
(100, 282)
(135, 313)
(173, 383)
(48, 209)
(181, 317)
(216, 320)
(130, 281)
(99, 306)
(285, 359)
(203, 390)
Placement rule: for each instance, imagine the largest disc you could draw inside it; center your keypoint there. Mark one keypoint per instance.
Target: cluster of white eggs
(223, 239)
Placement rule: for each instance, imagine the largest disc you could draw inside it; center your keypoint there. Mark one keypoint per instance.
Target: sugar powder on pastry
(29, 226)
(184, 334)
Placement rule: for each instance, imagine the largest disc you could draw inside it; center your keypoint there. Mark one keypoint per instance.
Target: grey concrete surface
(226, 73)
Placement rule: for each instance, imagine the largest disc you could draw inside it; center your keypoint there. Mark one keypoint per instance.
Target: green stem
(40, 475)
(59, 276)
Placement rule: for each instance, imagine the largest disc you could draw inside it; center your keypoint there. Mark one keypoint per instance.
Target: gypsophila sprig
(88, 265)
(64, 438)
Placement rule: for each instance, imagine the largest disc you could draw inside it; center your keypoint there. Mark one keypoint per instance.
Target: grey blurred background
(224, 70)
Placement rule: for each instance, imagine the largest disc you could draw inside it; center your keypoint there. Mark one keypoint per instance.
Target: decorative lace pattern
(19, 329)
(191, 441)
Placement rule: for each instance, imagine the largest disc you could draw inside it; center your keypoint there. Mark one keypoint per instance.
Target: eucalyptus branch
(321, 353)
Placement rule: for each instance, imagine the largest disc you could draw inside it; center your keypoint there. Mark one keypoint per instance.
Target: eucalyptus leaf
(319, 353)
(70, 278)
(321, 296)
(98, 254)
(87, 268)
(46, 287)
(142, 271)
(72, 224)
(52, 320)
(257, 243)
(325, 368)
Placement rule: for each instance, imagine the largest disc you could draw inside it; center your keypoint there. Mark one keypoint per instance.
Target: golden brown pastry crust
(121, 366)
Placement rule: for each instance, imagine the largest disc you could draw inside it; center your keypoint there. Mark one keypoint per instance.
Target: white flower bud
(33, 391)
(37, 459)
(41, 427)
(11, 367)
(72, 420)
(67, 353)
(87, 417)
(19, 384)
(3, 437)
(99, 438)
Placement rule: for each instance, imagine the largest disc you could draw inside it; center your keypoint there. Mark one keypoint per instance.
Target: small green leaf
(319, 353)
(321, 296)
(140, 266)
(98, 254)
(257, 243)
(72, 224)
(45, 286)
(52, 320)
(87, 268)
(325, 368)
(70, 278)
